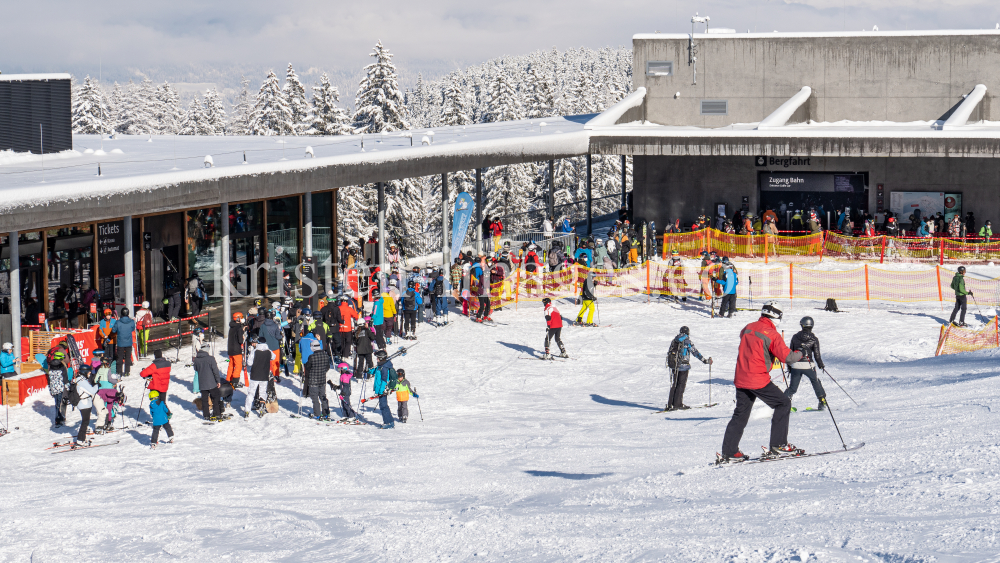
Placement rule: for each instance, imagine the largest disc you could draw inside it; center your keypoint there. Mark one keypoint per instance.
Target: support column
(15, 293)
(307, 243)
(624, 181)
(334, 245)
(380, 262)
(129, 269)
(552, 193)
(479, 210)
(225, 253)
(590, 197)
(445, 200)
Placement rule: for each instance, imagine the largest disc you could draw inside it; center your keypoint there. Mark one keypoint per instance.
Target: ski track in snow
(545, 461)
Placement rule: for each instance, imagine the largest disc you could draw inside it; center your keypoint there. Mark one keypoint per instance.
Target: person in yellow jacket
(388, 315)
(403, 393)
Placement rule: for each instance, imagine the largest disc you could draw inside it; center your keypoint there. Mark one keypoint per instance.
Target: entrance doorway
(826, 192)
(245, 254)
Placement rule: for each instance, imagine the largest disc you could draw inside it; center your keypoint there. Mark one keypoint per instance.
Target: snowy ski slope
(524, 460)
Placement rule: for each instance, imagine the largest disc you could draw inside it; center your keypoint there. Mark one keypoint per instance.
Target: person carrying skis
(270, 333)
(57, 379)
(679, 361)
(588, 300)
(806, 342)
(760, 345)
(158, 374)
(553, 330)
(961, 296)
(234, 348)
(209, 383)
(385, 381)
(403, 392)
(314, 378)
(160, 414)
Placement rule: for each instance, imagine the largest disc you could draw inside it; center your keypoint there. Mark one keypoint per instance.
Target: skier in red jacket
(760, 345)
(553, 322)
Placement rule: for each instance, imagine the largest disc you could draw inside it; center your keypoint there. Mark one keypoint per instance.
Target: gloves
(822, 367)
(709, 361)
(970, 293)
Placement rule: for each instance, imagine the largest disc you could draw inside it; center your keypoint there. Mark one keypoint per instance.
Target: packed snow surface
(524, 460)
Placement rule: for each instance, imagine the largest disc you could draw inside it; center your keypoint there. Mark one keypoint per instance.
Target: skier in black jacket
(806, 342)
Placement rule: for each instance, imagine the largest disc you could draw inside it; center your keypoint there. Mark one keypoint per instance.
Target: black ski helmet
(961, 269)
(546, 301)
(381, 355)
(685, 330)
(807, 323)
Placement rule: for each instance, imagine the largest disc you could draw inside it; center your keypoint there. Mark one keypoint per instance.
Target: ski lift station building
(873, 121)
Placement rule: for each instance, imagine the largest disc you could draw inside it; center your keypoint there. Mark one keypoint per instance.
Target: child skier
(553, 323)
(345, 392)
(679, 362)
(403, 392)
(806, 342)
(160, 414)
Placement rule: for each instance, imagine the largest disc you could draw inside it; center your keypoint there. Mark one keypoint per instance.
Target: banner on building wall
(464, 206)
(952, 206)
(904, 204)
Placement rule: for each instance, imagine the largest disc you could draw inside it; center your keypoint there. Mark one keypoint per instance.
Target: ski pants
(124, 360)
(402, 411)
(745, 398)
(795, 375)
(345, 400)
(344, 343)
(252, 389)
(100, 412)
(441, 306)
(409, 322)
(554, 333)
(81, 435)
(380, 336)
(390, 327)
(321, 407)
(235, 369)
(216, 397)
(588, 307)
(961, 302)
(383, 405)
(363, 363)
(60, 407)
(728, 306)
(677, 387)
(143, 337)
(484, 307)
(173, 306)
(156, 433)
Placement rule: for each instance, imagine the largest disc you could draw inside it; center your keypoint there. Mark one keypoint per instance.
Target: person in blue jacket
(378, 320)
(161, 419)
(124, 329)
(385, 381)
(728, 279)
(566, 226)
(410, 303)
(7, 361)
(587, 255)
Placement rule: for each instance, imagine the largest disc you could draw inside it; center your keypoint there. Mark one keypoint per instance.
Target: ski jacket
(158, 374)
(760, 345)
(7, 362)
(259, 363)
(587, 288)
(143, 318)
(412, 300)
(207, 370)
(729, 281)
(316, 368)
(234, 345)
(586, 254)
(958, 284)
(104, 330)
(331, 314)
(378, 311)
(57, 381)
(385, 377)
(986, 232)
(602, 255)
(806, 342)
(271, 334)
(347, 317)
(159, 412)
(106, 379)
(439, 284)
(306, 346)
(403, 391)
(124, 329)
(685, 349)
(552, 317)
(87, 392)
(363, 341)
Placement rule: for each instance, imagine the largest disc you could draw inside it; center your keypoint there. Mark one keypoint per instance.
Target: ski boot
(563, 354)
(785, 450)
(738, 457)
(546, 355)
(579, 321)
(403, 420)
(822, 404)
(668, 408)
(77, 445)
(683, 408)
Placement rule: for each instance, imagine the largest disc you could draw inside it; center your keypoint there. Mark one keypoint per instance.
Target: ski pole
(842, 443)
(841, 387)
(751, 291)
(978, 310)
(782, 366)
(141, 399)
(710, 383)
(419, 409)
(598, 306)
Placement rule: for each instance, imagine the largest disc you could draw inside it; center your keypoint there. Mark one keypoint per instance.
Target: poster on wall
(952, 206)
(904, 204)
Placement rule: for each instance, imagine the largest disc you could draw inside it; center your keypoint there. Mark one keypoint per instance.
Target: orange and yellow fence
(815, 246)
(954, 340)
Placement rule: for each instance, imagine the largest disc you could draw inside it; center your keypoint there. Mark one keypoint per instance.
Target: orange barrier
(954, 340)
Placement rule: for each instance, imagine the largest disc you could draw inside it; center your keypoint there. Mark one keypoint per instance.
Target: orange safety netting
(955, 339)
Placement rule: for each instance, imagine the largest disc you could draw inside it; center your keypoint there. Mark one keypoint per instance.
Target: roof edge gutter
(964, 110)
(780, 116)
(611, 115)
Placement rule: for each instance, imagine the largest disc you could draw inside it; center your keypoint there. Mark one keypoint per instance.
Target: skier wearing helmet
(553, 329)
(234, 348)
(806, 342)
(760, 345)
(961, 296)
(679, 362)
(143, 320)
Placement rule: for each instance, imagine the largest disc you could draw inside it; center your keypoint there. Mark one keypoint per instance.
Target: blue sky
(431, 35)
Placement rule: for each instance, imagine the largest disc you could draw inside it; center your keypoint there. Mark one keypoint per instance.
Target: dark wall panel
(26, 104)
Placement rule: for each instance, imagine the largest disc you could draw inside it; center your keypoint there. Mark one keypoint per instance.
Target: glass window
(204, 242)
(282, 235)
(659, 68)
(244, 217)
(322, 216)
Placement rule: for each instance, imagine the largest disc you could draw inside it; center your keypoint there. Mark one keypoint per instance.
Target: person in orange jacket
(760, 345)
(348, 315)
(104, 334)
(157, 374)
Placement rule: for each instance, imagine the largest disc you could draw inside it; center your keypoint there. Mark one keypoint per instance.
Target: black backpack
(410, 300)
(74, 395)
(673, 354)
(831, 305)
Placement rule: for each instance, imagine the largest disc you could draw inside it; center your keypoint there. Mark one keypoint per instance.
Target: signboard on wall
(812, 182)
(110, 256)
(952, 206)
(903, 204)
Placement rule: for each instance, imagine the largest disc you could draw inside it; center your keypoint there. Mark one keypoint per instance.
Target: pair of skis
(705, 406)
(762, 459)
(63, 447)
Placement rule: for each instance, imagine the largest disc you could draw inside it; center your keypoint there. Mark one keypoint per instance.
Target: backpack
(831, 305)
(410, 300)
(74, 395)
(673, 354)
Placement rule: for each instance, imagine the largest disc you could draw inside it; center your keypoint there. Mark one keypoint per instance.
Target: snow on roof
(873, 129)
(27, 77)
(819, 34)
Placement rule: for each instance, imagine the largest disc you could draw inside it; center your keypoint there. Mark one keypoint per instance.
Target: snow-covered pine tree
(271, 114)
(417, 104)
(379, 102)
(214, 113)
(295, 96)
(541, 100)
(239, 123)
(194, 119)
(454, 112)
(329, 118)
(356, 211)
(167, 114)
(89, 109)
(116, 109)
(509, 192)
(504, 103)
